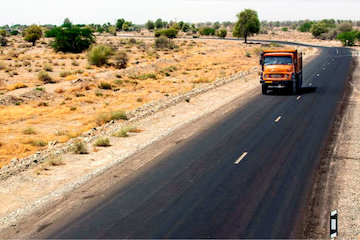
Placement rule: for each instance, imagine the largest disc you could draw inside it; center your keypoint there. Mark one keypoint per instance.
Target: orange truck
(281, 69)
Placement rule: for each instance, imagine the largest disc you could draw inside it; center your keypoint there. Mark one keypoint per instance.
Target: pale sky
(139, 11)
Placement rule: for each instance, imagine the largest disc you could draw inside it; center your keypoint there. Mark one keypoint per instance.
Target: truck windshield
(278, 60)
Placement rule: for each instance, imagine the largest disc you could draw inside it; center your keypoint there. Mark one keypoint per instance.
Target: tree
(216, 25)
(126, 26)
(221, 33)
(112, 30)
(33, 33)
(306, 26)
(74, 40)
(207, 31)
(348, 38)
(3, 32)
(169, 33)
(159, 23)
(247, 25)
(67, 23)
(319, 28)
(150, 25)
(119, 24)
(345, 26)
(185, 27)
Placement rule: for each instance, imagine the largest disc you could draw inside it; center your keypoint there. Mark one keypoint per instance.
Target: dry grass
(150, 75)
(102, 142)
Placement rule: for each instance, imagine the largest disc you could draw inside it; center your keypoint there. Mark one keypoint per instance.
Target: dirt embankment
(338, 184)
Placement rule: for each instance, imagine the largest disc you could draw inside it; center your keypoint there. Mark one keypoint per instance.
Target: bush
(221, 33)
(164, 42)
(107, 117)
(74, 39)
(318, 29)
(102, 142)
(207, 31)
(29, 131)
(348, 38)
(65, 74)
(3, 32)
(305, 27)
(79, 147)
(38, 143)
(169, 33)
(48, 68)
(3, 41)
(14, 33)
(285, 29)
(345, 27)
(33, 33)
(124, 132)
(51, 33)
(331, 35)
(121, 59)
(45, 77)
(104, 85)
(99, 55)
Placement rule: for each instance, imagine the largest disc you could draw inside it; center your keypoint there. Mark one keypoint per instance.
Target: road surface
(247, 176)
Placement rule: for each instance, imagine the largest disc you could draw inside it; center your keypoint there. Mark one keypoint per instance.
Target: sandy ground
(31, 190)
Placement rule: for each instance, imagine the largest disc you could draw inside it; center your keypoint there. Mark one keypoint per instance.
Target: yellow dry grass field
(35, 113)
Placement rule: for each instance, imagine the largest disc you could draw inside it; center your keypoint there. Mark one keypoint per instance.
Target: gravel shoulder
(32, 189)
(337, 186)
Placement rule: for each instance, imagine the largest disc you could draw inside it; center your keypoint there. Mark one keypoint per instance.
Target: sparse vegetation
(37, 143)
(45, 77)
(121, 59)
(79, 147)
(124, 131)
(105, 85)
(29, 131)
(102, 142)
(107, 117)
(164, 43)
(99, 55)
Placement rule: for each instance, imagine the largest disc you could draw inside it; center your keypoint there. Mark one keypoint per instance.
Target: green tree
(221, 33)
(207, 31)
(119, 24)
(247, 25)
(319, 28)
(348, 38)
(126, 26)
(112, 30)
(216, 25)
(74, 40)
(329, 23)
(306, 26)
(185, 27)
(67, 23)
(159, 23)
(150, 25)
(169, 33)
(32, 34)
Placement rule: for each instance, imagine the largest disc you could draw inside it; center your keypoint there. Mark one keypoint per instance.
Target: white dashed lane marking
(240, 158)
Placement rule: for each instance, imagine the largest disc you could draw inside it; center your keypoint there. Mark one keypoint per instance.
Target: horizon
(44, 12)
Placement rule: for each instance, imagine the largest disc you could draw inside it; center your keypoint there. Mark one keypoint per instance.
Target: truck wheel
(264, 89)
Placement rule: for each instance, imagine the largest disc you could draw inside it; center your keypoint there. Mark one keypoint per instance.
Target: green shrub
(221, 33)
(102, 142)
(164, 43)
(48, 68)
(51, 33)
(169, 33)
(105, 85)
(14, 33)
(32, 34)
(45, 77)
(285, 29)
(3, 32)
(124, 132)
(3, 41)
(65, 74)
(107, 117)
(74, 39)
(121, 59)
(37, 143)
(99, 55)
(348, 38)
(305, 27)
(318, 29)
(345, 27)
(79, 147)
(29, 131)
(207, 31)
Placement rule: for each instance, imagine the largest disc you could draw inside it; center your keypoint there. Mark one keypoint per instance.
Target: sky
(139, 11)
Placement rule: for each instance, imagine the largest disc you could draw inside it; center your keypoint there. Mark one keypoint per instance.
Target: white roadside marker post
(333, 224)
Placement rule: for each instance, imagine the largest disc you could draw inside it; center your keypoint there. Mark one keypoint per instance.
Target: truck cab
(281, 69)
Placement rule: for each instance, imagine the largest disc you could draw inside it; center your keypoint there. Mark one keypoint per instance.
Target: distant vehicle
(281, 69)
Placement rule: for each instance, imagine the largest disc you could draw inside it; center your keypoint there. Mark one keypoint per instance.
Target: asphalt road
(198, 190)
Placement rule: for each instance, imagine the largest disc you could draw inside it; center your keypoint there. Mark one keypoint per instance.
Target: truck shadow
(304, 90)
